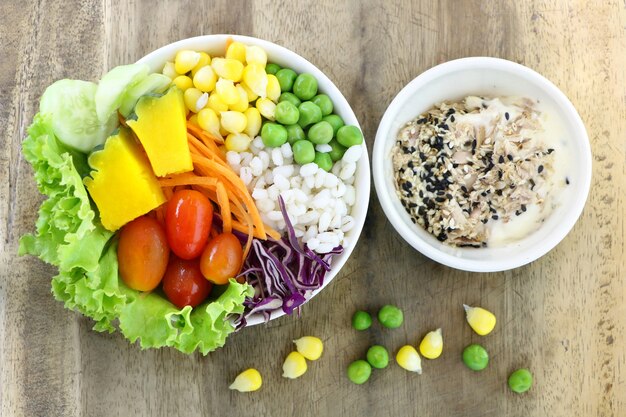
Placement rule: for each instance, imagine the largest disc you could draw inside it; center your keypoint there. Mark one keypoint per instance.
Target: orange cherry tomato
(188, 220)
(183, 283)
(222, 258)
(142, 254)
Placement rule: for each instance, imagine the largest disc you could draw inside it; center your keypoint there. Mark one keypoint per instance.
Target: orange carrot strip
(188, 179)
(203, 134)
(223, 202)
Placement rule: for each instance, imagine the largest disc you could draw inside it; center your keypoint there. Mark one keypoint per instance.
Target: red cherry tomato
(184, 284)
(222, 258)
(142, 253)
(188, 222)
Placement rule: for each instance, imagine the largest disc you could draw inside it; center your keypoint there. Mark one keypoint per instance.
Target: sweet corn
(267, 108)
(223, 132)
(194, 120)
(183, 82)
(205, 60)
(255, 77)
(247, 381)
(242, 104)
(479, 319)
(294, 366)
(310, 347)
(205, 79)
(408, 358)
(236, 50)
(226, 91)
(238, 142)
(256, 55)
(273, 88)
(253, 127)
(231, 69)
(432, 345)
(195, 100)
(208, 120)
(169, 69)
(216, 103)
(185, 61)
(233, 121)
(251, 94)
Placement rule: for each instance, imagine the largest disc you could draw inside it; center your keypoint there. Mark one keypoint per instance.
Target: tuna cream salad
(481, 171)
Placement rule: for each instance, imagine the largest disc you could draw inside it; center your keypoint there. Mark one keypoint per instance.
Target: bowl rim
(473, 63)
(363, 173)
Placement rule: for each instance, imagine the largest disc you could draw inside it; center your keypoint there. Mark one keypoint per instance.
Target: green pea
(520, 380)
(305, 86)
(324, 103)
(335, 121)
(290, 97)
(303, 152)
(273, 135)
(359, 371)
(294, 133)
(475, 357)
(349, 136)
(286, 113)
(338, 150)
(323, 161)
(378, 357)
(286, 78)
(361, 320)
(309, 114)
(272, 68)
(320, 133)
(390, 316)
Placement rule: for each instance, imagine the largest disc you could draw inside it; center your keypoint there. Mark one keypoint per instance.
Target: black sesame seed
(442, 237)
(449, 196)
(413, 220)
(500, 174)
(495, 217)
(540, 169)
(566, 180)
(506, 115)
(440, 199)
(484, 221)
(452, 118)
(455, 165)
(412, 205)
(501, 159)
(422, 121)
(484, 194)
(421, 210)
(410, 164)
(517, 212)
(464, 188)
(523, 207)
(550, 150)
(510, 157)
(499, 192)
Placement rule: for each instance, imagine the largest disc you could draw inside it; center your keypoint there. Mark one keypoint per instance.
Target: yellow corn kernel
(205, 59)
(194, 120)
(216, 103)
(238, 142)
(208, 120)
(408, 358)
(251, 95)
(195, 100)
(242, 104)
(231, 69)
(223, 132)
(294, 366)
(233, 121)
(185, 61)
(247, 381)
(310, 347)
(267, 108)
(236, 50)
(169, 69)
(183, 82)
(256, 55)
(432, 345)
(205, 79)
(253, 127)
(255, 77)
(479, 319)
(227, 91)
(273, 88)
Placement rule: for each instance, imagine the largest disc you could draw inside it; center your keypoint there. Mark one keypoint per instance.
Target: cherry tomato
(188, 222)
(222, 258)
(142, 253)
(184, 284)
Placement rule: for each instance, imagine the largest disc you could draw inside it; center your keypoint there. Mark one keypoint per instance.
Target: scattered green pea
(520, 380)
(272, 68)
(320, 133)
(294, 133)
(378, 357)
(286, 78)
(273, 135)
(475, 357)
(349, 136)
(323, 161)
(291, 97)
(303, 152)
(305, 86)
(359, 371)
(335, 121)
(286, 113)
(337, 150)
(361, 320)
(309, 114)
(390, 316)
(324, 103)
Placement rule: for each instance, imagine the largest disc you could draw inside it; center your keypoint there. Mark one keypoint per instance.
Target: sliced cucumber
(153, 83)
(113, 85)
(74, 121)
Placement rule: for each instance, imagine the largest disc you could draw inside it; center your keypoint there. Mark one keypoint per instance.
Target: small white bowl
(215, 45)
(490, 77)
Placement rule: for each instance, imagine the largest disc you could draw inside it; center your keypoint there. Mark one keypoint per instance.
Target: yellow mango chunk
(161, 127)
(122, 183)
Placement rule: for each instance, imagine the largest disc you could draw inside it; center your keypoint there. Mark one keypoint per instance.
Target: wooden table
(564, 316)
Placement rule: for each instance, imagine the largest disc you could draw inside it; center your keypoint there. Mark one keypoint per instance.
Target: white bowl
(492, 77)
(215, 45)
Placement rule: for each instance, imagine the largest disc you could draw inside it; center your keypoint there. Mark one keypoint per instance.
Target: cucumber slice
(114, 85)
(74, 121)
(153, 83)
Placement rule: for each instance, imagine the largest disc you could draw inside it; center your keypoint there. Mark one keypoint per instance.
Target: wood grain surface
(563, 316)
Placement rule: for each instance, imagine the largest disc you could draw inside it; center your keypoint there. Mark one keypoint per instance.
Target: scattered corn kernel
(273, 88)
(254, 122)
(255, 77)
(247, 381)
(216, 103)
(238, 142)
(169, 69)
(185, 61)
(231, 69)
(256, 55)
(251, 95)
(294, 366)
(227, 91)
(310, 347)
(205, 60)
(195, 100)
(205, 79)
(183, 82)
(267, 108)
(208, 120)
(408, 358)
(223, 131)
(242, 104)
(479, 319)
(236, 50)
(432, 345)
(233, 121)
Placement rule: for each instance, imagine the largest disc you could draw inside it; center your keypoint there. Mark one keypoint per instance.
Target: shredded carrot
(187, 178)
(223, 202)
(203, 134)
